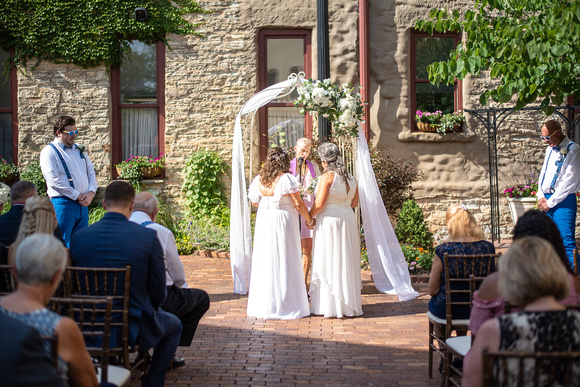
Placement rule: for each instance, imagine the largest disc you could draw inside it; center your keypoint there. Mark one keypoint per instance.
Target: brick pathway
(387, 346)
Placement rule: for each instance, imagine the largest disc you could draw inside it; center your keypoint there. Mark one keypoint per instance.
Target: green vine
(87, 33)
(203, 188)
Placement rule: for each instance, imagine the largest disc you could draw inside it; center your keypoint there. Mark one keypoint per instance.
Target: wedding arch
(388, 265)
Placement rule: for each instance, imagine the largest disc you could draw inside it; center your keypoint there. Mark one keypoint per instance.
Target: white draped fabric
(388, 265)
(386, 259)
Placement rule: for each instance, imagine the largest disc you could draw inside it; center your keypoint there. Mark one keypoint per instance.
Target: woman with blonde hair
(38, 217)
(305, 171)
(465, 238)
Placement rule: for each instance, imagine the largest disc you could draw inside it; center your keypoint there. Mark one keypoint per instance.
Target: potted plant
(135, 168)
(521, 198)
(8, 171)
(439, 122)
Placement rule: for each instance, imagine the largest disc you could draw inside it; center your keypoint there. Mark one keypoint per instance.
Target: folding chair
(458, 269)
(539, 369)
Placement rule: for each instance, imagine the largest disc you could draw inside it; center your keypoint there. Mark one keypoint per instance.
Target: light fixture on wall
(141, 14)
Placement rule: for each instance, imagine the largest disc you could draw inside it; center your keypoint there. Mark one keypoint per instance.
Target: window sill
(407, 136)
(152, 181)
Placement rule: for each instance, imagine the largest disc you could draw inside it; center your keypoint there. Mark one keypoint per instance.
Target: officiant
(306, 173)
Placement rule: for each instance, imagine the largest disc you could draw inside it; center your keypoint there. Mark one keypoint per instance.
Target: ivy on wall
(87, 33)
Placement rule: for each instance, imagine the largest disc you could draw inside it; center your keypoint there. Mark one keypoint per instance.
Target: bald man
(188, 304)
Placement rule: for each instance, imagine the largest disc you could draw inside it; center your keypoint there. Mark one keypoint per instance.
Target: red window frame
(263, 36)
(117, 106)
(14, 110)
(457, 86)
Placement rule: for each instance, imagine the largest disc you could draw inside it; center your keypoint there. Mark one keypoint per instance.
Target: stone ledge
(436, 137)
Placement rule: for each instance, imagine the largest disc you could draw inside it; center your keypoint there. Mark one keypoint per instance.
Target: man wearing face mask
(70, 177)
(559, 181)
(305, 171)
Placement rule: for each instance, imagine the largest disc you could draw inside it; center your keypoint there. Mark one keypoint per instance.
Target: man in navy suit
(10, 221)
(114, 241)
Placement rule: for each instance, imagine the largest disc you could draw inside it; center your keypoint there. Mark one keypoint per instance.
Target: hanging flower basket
(425, 127)
(150, 172)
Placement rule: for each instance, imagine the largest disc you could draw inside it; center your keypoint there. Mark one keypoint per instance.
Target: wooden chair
(539, 369)
(575, 261)
(94, 316)
(7, 281)
(457, 347)
(52, 342)
(88, 282)
(457, 269)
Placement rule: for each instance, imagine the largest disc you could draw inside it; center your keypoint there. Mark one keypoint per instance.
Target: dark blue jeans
(71, 216)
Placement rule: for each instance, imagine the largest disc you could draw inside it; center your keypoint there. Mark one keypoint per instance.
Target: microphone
(300, 162)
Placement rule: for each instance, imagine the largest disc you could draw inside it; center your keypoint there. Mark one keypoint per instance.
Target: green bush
(205, 233)
(203, 187)
(96, 213)
(411, 227)
(395, 178)
(33, 173)
(417, 258)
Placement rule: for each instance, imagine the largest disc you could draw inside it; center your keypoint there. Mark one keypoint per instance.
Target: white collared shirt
(81, 171)
(568, 181)
(174, 272)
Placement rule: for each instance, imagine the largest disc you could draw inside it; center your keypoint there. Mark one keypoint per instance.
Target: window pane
(138, 74)
(431, 98)
(6, 136)
(285, 56)
(140, 132)
(285, 126)
(429, 50)
(4, 82)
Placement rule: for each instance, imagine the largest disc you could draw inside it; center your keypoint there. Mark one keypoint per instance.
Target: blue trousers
(71, 216)
(164, 351)
(564, 215)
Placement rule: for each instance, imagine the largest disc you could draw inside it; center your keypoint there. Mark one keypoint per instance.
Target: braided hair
(38, 217)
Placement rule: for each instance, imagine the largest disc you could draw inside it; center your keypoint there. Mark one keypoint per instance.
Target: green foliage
(411, 227)
(205, 233)
(87, 33)
(8, 171)
(417, 258)
(532, 47)
(132, 168)
(203, 188)
(33, 173)
(96, 213)
(7, 207)
(395, 178)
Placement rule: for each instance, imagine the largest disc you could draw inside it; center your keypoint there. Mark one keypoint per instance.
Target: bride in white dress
(277, 289)
(335, 286)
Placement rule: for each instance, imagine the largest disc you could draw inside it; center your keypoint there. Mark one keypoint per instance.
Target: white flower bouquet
(343, 108)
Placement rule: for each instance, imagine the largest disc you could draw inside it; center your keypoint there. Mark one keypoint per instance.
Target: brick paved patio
(386, 346)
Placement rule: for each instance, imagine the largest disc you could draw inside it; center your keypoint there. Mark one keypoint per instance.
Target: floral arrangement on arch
(528, 190)
(442, 122)
(343, 108)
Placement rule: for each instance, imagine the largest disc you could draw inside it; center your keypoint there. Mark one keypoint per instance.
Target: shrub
(205, 233)
(203, 188)
(417, 257)
(395, 178)
(411, 227)
(33, 173)
(96, 213)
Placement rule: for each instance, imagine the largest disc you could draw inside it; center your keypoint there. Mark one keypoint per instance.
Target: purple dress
(308, 197)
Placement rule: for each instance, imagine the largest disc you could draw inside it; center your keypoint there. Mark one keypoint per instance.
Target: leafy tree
(87, 33)
(532, 47)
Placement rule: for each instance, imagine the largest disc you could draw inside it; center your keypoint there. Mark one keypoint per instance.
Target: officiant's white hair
(304, 141)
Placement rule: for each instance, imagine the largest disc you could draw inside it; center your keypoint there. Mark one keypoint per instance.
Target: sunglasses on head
(70, 133)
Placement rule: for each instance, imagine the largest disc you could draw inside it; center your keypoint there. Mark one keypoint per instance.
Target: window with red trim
(138, 100)
(281, 53)
(8, 111)
(427, 49)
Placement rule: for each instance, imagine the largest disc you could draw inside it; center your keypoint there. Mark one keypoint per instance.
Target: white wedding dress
(335, 287)
(277, 289)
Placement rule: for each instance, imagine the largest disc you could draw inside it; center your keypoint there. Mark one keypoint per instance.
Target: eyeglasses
(545, 138)
(70, 133)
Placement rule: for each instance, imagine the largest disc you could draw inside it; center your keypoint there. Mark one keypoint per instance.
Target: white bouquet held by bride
(343, 108)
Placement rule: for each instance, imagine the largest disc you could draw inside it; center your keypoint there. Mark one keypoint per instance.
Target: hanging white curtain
(386, 259)
(140, 132)
(388, 265)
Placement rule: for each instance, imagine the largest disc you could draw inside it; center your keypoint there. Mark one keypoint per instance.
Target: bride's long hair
(277, 162)
(330, 153)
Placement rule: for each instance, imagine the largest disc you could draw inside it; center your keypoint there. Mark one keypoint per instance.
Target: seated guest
(188, 304)
(530, 275)
(465, 238)
(487, 303)
(10, 221)
(23, 360)
(38, 265)
(38, 217)
(116, 242)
